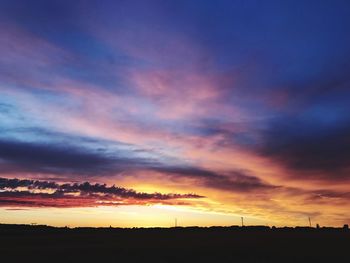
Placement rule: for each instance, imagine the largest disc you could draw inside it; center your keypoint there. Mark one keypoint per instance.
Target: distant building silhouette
(346, 226)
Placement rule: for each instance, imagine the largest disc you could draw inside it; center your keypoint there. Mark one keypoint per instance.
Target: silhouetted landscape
(178, 244)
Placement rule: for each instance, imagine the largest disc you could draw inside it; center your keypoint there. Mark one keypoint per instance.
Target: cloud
(235, 181)
(24, 192)
(32, 154)
(41, 157)
(310, 149)
(326, 195)
(97, 158)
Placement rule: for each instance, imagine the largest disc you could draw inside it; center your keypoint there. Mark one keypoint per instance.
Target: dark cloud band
(14, 191)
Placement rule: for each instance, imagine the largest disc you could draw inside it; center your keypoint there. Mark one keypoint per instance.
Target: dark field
(20, 243)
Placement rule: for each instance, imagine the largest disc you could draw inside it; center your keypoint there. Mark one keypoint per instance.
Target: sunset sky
(134, 113)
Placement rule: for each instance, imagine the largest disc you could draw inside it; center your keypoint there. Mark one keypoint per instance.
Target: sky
(134, 113)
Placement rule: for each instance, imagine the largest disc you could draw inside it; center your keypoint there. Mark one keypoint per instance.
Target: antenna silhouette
(242, 221)
(310, 221)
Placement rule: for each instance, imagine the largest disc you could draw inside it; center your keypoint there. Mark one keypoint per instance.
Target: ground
(20, 243)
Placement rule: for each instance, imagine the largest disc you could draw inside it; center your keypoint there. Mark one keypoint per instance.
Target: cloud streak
(99, 161)
(24, 192)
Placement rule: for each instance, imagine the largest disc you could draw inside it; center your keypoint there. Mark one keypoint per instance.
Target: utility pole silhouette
(310, 221)
(242, 221)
